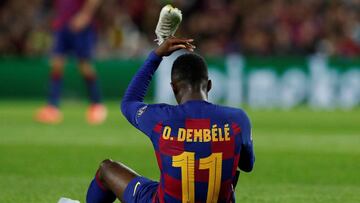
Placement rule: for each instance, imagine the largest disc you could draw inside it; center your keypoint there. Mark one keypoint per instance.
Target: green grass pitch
(301, 155)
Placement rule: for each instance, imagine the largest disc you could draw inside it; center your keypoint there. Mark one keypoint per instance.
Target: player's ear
(209, 85)
(174, 88)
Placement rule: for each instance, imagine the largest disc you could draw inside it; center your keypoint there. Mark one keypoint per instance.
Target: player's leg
(56, 79)
(84, 46)
(97, 112)
(51, 113)
(110, 182)
(89, 74)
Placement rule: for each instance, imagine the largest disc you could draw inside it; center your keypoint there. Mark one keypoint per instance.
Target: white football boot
(67, 200)
(169, 21)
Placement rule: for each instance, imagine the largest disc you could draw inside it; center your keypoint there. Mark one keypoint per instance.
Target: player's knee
(105, 165)
(87, 70)
(57, 70)
(57, 63)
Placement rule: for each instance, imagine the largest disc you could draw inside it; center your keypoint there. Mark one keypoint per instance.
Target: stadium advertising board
(279, 82)
(266, 82)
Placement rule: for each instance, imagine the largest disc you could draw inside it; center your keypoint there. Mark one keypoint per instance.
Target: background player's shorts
(140, 190)
(80, 43)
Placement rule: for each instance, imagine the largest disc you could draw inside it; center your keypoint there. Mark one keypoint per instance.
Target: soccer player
(198, 145)
(74, 33)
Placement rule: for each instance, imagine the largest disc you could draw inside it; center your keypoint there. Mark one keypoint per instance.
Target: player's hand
(80, 21)
(173, 44)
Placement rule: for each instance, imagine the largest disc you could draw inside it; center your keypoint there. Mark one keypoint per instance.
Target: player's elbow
(128, 109)
(247, 166)
(125, 106)
(247, 169)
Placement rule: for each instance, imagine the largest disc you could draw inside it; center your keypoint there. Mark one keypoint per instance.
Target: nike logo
(137, 184)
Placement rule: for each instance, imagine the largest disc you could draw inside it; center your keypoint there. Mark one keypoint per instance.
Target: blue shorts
(80, 43)
(140, 190)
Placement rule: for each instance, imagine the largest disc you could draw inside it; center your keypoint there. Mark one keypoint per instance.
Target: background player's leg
(89, 74)
(56, 79)
(84, 46)
(97, 112)
(51, 112)
(111, 180)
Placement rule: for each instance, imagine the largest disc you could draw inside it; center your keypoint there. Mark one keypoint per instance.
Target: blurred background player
(74, 34)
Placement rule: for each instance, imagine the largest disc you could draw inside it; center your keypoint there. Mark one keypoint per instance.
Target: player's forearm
(90, 7)
(139, 85)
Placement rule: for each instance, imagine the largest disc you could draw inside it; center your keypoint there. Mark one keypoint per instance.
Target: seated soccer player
(198, 145)
(74, 33)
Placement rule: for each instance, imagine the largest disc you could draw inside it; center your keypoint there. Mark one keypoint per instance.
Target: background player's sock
(97, 193)
(55, 89)
(93, 89)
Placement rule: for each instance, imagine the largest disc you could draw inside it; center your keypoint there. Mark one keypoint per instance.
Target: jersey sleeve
(247, 157)
(132, 105)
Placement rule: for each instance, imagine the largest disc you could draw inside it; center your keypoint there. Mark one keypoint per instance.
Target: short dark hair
(190, 68)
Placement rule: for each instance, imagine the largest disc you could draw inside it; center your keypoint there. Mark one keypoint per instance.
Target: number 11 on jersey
(213, 163)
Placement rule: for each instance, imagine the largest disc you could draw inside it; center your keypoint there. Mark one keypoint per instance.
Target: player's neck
(190, 96)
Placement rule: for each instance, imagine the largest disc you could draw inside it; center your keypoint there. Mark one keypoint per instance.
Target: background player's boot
(96, 114)
(49, 115)
(169, 21)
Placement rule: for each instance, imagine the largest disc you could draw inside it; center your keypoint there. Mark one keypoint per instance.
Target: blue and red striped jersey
(198, 145)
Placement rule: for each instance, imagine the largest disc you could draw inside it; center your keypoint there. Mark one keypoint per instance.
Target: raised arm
(135, 93)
